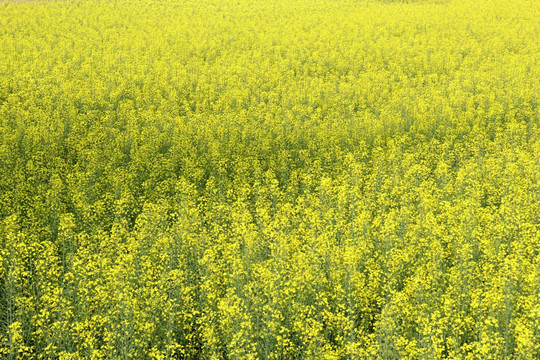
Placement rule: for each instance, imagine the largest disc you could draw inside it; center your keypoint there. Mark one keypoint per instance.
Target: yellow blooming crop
(288, 179)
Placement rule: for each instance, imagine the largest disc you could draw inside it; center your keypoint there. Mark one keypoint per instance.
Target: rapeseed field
(270, 179)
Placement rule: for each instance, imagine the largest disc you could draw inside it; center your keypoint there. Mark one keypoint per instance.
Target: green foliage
(284, 179)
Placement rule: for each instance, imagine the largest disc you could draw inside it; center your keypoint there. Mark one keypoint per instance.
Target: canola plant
(287, 179)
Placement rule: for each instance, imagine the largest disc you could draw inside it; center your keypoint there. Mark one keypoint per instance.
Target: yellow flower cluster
(288, 179)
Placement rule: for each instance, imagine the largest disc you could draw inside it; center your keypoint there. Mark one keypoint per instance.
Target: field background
(288, 179)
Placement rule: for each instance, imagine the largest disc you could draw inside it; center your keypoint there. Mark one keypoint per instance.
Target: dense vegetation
(289, 179)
